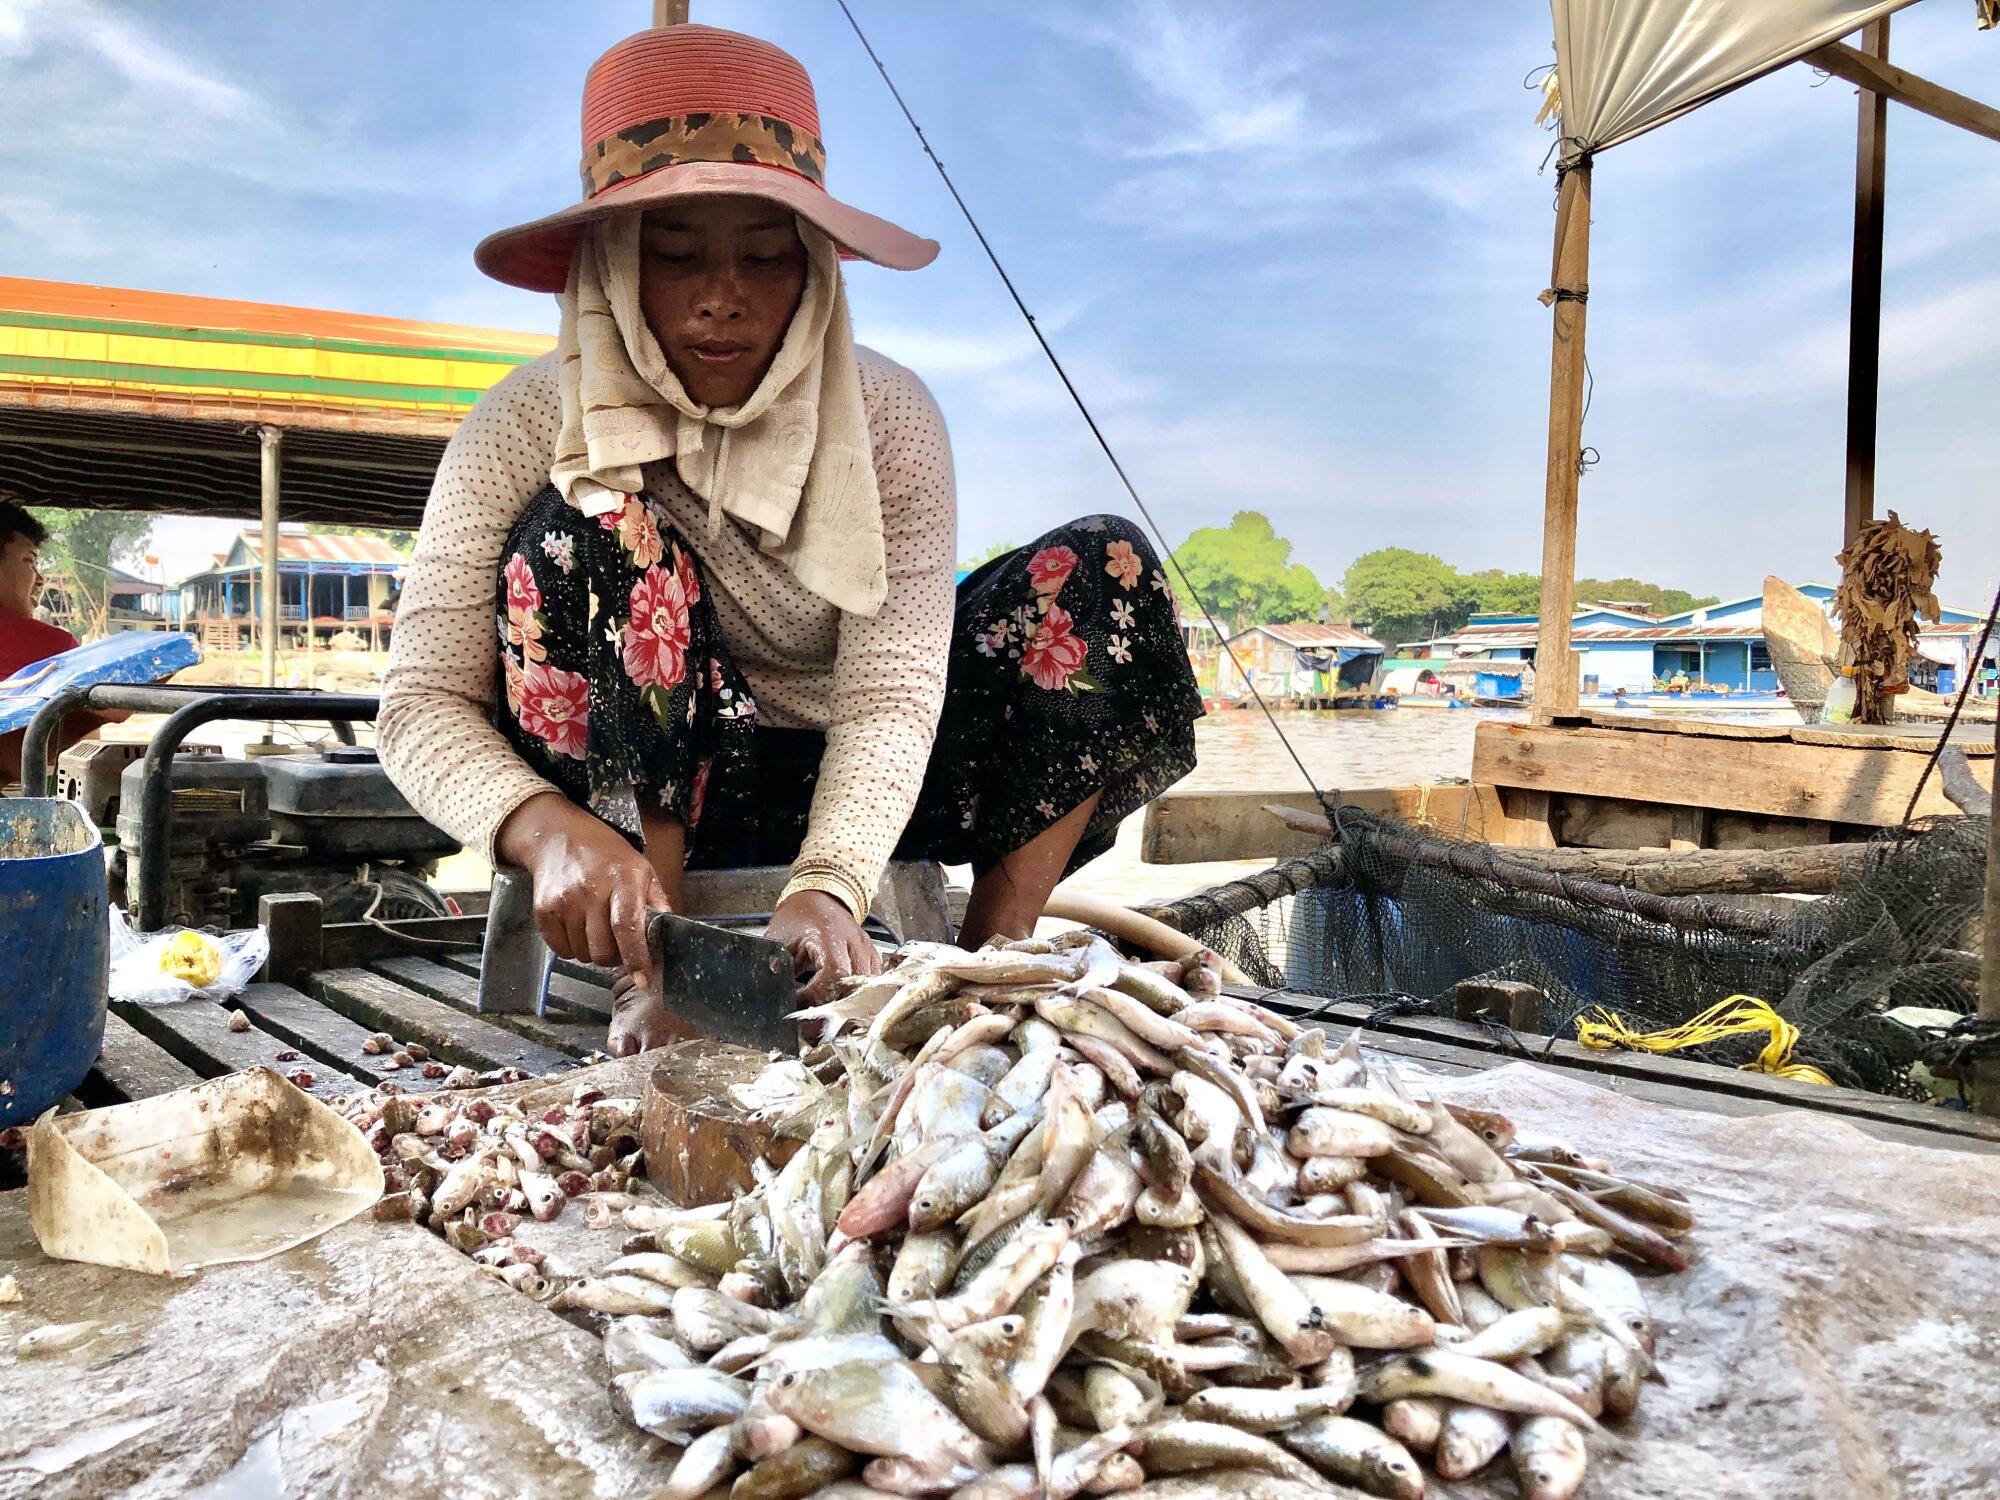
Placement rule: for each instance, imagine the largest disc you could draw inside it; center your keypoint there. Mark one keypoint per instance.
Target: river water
(1238, 750)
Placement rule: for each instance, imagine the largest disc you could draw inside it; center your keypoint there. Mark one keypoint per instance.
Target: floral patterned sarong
(1068, 676)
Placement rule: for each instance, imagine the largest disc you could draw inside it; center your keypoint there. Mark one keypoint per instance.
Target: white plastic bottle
(1841, 699)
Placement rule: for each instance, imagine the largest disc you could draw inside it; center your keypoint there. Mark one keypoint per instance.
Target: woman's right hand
(593, 890)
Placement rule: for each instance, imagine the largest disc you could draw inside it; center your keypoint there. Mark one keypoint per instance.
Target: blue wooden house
(1628, 651)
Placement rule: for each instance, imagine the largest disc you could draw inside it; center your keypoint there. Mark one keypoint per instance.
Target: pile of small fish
(472, 1170)
(1060, 1223)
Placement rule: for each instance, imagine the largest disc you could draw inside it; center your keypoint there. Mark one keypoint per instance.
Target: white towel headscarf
(793, 463)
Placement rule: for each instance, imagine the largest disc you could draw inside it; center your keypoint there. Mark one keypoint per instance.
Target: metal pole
(670, 12)
(308, 613)
(1864, 315)
(270, 451)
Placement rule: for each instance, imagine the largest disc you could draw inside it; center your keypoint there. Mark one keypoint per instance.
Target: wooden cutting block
(699, 1144)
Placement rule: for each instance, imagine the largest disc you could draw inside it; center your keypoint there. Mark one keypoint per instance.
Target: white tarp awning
(1946, 651)
(1624, 66)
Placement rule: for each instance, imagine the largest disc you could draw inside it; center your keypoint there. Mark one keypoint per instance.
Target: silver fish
(882, 1409)
(673, 1404)
(1549, 1458)
(1477, 1382)
(1357, 1453)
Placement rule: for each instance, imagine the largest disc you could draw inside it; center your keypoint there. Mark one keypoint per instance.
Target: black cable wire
(1166, 550)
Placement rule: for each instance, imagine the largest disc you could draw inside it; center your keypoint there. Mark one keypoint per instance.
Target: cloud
(1224, 131)
(1210, 86)
(150, 103)
(144, 61)
(1935, 336)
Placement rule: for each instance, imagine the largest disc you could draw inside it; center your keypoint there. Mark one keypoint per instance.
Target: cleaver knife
(722, 983)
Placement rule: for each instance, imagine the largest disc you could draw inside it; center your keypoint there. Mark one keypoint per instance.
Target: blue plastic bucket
(55, 952)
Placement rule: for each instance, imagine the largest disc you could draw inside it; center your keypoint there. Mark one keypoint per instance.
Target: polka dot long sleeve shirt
(875, 686)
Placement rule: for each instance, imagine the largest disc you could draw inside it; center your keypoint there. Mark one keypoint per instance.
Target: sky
(1289, 252)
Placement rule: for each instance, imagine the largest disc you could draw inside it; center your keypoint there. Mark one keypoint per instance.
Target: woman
(715, 539)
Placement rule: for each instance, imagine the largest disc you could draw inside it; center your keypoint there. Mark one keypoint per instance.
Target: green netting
(1384, 909)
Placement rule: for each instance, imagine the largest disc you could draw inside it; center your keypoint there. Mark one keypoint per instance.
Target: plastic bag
(142, 964)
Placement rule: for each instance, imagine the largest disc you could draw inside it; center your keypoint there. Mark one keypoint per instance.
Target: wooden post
(292, 920)
(1555, 667)
(1986, 1074)
(670, 12)
(1864, 313)
(270, 452)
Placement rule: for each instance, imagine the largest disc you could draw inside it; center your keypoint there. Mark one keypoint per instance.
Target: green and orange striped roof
(105, 348)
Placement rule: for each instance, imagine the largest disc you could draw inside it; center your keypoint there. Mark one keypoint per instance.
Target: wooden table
(375, 1361)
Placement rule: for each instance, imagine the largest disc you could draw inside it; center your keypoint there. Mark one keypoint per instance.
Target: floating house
(1299, 663)
(1720, 647)
(326, 584)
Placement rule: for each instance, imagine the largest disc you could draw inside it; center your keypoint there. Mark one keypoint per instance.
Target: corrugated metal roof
(108, 349)
(322, 547)
(1317, 637)
(1668, 633)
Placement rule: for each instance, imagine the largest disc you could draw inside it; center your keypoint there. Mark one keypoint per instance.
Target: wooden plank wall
(1864, 786)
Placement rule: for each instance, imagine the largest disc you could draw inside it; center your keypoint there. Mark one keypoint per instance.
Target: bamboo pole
(1864, 313)
(1555, 666)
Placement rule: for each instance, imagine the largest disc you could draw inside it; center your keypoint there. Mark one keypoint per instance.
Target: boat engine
(326, 821)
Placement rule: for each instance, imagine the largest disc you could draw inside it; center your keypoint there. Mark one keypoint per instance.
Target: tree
(83, 547)
(1405, 595)
(1648, 596)
(403, 541)
(978, 559)
(1499, 593)
(1244, 573)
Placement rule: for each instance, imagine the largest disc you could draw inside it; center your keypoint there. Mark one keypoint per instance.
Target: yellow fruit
(194, 957)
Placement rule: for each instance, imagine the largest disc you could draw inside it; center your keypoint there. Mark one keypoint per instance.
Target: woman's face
(719, 280)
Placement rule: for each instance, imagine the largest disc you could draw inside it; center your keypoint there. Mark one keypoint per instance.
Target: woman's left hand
(825, 942)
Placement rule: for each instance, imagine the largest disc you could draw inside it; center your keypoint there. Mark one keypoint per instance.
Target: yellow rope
(1739, 1015)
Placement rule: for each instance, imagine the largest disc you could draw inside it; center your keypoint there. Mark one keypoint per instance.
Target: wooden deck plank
(197, 1033)
(1683, 722)
(1976, 740)
(326, 1035)
(384, 1005)
(1838, 784)
(129, 1066)
(428, 977)
(566, 992)
(1673, 1080)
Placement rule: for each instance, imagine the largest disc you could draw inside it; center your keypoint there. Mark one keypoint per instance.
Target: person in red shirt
(23, 638)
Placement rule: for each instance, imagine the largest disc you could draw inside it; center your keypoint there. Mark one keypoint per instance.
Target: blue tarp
(133, 656)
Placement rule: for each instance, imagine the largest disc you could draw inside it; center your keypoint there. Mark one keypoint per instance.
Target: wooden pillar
(270, 452)
(1864, 312)
(1555, 666)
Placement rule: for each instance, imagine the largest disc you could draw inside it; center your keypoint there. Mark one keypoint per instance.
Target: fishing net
(1399, 916)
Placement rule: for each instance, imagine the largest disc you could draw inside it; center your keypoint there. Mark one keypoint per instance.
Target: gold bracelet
(828, 881)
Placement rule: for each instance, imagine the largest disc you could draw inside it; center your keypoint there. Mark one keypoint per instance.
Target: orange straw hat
(688, 111)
